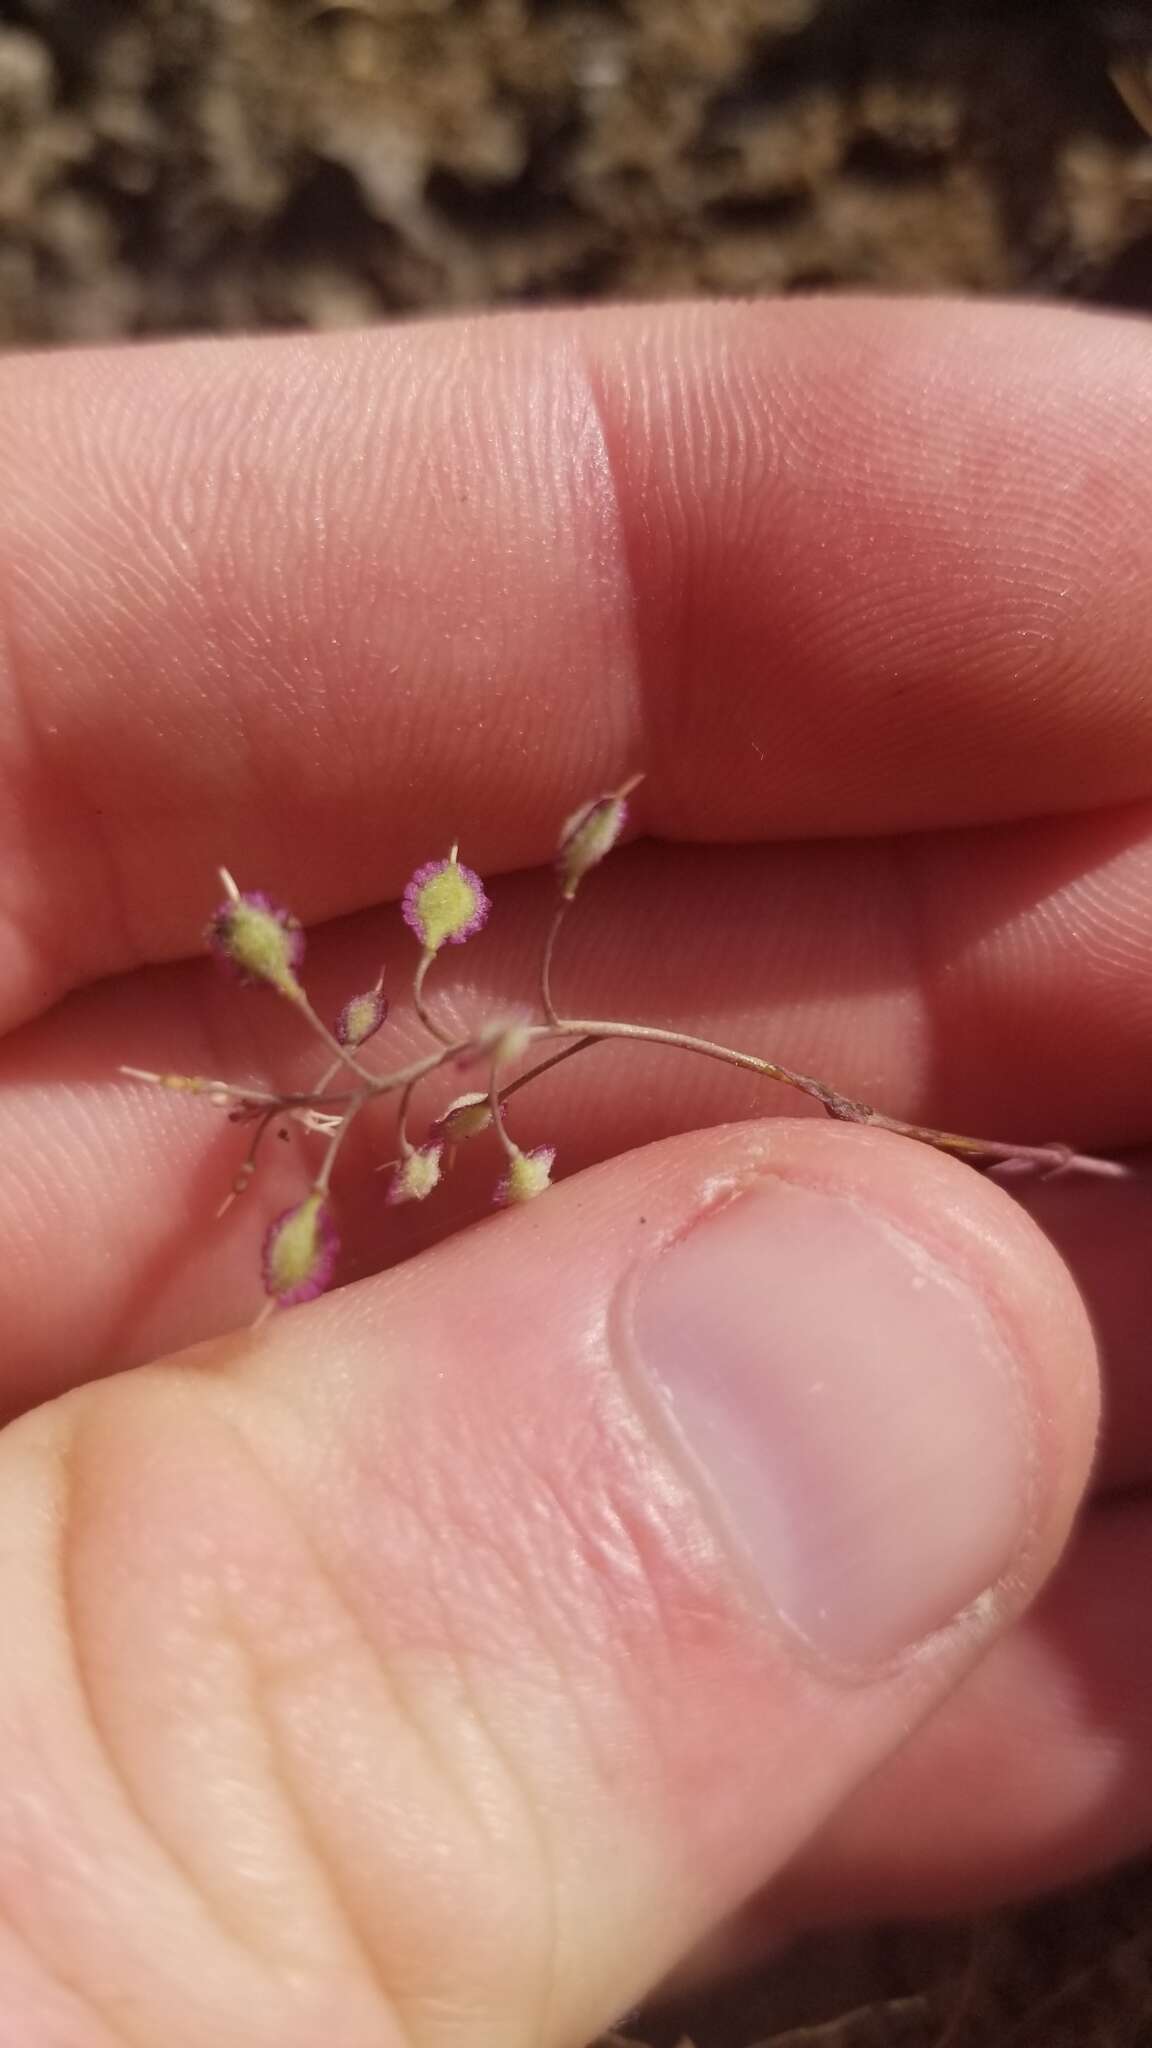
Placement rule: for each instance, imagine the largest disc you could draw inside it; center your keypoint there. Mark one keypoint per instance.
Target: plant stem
(419, 1004)
(510, 1148)
(232, 1091)
(544, 1066)
(1056, 1158)
(324, 1177)
(652, 1034)
(584, 1031)
(343, 1053)
(247, 1168)
(405, 1104)
(560, 914)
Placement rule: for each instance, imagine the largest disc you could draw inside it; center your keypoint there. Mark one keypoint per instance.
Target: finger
(454, 1655)
(990, 982)
(1036, 1773)
(1105, 1232)
(308, 607)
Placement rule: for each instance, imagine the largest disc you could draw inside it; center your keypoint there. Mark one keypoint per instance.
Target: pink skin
(437, 1528)
(714, 544)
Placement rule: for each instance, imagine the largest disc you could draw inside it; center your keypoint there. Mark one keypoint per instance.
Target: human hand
(446, 1662)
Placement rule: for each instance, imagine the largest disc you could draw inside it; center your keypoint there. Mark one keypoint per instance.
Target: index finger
(316, 607)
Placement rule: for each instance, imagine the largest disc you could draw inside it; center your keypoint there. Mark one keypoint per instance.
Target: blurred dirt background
(209, 165)
(1070, 1972)
(175, 165)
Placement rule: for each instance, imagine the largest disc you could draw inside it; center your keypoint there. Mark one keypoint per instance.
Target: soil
(212, 165)
(183, 165)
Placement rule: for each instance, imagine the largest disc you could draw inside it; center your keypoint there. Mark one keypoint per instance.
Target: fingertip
(600, 1552)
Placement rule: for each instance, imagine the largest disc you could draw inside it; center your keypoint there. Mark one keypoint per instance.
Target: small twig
(324, 1178)
(221, 1093)
(545, 1066)
(684, 1041)
(1052, 1160)
(247, 1168)
(510, 1149)
(405, 1104)
(560, 914)
(345, 1056)
(420, 1006)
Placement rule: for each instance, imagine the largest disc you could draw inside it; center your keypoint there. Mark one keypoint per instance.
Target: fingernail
(853, 1406)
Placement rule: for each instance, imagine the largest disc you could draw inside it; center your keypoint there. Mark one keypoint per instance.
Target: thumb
(439, 1665)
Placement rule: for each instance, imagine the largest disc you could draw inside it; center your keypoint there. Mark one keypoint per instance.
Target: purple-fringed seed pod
(590, 833)
(528, 1174)
(465, 1118)
(417, 1174)
(300, 1251)
(361, 1018)
(444, 904)
(258, 940)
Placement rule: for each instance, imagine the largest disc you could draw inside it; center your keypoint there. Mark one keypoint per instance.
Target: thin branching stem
(544, 1066)
(403, 1108)
(225, 1092)
(558, 917)
(587, 1031)
(594, 1028)
(247, 1168)
(324, 1177)
(509, 1147)
(303, 1098)
(1051, 1159)
(330, 1108)
(420, 1005)
(343, 1053)
(1054, 1158)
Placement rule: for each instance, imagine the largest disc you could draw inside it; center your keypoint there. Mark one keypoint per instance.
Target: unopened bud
(590, 833)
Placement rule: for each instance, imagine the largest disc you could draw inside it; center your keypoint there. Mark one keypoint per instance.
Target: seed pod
(444, 904)
(417, 1175)
(300, 1252)
(361, 1018)
(590, 833)
(465, 1118)
(258, 939)
(529, 1173)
